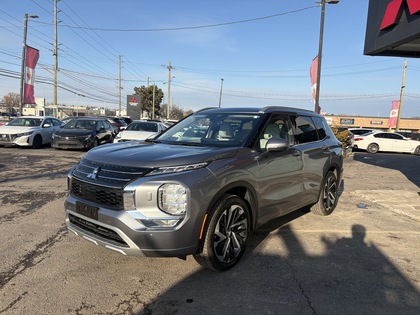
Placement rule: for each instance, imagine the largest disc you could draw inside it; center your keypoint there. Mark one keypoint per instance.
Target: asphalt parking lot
(362, 259)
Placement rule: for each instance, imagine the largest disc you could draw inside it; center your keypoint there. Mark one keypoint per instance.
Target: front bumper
(122, 232)
(71, 143)
(13, 140)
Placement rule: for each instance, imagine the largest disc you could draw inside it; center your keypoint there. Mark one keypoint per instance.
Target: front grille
(109, 197)
(102, 183)
(105, 233)
(7, 138)
(106, 174)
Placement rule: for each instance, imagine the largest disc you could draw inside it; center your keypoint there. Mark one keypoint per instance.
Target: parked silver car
(202, 185)
(29, 131)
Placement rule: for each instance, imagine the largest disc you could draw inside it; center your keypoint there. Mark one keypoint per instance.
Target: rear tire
(417, 150)
(226, 233)
(373, 148)
(328, 196)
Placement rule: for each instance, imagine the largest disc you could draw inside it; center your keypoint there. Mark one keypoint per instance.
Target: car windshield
(212, 129)
(80, 124)
(26, 122)
(143, 126)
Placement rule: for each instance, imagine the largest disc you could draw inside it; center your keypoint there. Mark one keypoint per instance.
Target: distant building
(406, 124)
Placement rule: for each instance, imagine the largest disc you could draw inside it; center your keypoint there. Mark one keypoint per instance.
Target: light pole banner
(392, 121)
(313, 72)
(32, 56)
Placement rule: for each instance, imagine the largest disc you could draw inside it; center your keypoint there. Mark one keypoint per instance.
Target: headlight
(24, 134)
(176, 169)
(172, 199)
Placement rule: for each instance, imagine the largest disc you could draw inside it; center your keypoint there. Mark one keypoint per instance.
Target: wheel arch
(241, 189)
(34, 139)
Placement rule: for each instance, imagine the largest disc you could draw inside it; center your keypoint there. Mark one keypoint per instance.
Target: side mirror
(46, 126)
(276, 144)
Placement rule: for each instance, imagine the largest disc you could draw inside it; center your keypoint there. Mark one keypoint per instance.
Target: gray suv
(200, 187)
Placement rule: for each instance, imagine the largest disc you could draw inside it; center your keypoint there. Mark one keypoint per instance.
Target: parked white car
(29, 131)
(362, 131)
(386, 142)
(141, 130)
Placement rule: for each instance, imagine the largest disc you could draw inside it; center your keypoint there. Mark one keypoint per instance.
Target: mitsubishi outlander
(200, 187)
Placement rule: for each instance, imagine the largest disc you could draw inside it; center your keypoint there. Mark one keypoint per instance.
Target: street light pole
(22, 69)
(321, 39)
(221, 89)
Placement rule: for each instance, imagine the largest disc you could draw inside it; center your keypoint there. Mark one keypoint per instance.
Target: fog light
(129, 200)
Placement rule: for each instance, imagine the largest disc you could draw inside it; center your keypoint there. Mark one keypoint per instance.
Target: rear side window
(305, 129)
(320, 127)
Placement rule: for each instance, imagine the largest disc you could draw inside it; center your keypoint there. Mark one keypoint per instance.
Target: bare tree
(11, 100)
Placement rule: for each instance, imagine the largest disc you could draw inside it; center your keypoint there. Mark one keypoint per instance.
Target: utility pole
(397, 128)
(221, 89)
(55, 58)
(169, 67)
(153, 101)
(321, 39)
(119, 85)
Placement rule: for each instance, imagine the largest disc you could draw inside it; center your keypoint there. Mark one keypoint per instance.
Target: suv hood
(152, 155)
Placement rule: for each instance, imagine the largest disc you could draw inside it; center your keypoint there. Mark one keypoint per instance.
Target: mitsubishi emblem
(94, 174)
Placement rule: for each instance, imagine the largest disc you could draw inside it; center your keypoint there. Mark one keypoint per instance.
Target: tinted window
(320, 127)
(380, 135)
(99, 125)
(395, 136)
(305, 129)
(47, 121)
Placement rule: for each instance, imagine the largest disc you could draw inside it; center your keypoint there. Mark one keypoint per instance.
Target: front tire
(226, 234)
(373, 148)
(94, 143)
(37, 142)
(417, 150)
(328, 197)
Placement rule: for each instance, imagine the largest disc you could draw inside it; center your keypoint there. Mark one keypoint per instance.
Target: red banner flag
(313, 72)
(32, 56)
(392, 121)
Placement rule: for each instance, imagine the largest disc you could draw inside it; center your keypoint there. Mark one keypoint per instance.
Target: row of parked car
(75, 132)
(374, 140)
(88, 132)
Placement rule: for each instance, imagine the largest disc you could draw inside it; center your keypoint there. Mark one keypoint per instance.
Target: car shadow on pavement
(348, 276)
(395, 161)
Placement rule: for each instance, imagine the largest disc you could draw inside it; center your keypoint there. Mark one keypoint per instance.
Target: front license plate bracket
(87, 210)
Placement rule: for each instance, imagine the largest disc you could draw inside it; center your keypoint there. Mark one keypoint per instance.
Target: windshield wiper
(153, 141)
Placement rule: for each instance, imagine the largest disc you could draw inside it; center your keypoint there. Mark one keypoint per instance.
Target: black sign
(393, 28)
(133, 106)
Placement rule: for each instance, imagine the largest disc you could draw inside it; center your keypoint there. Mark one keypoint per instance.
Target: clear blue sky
(261, 49)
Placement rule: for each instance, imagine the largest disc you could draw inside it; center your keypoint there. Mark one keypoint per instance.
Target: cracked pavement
(362, 259)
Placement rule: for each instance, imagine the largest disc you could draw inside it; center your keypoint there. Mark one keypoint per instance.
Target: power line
(192, 27)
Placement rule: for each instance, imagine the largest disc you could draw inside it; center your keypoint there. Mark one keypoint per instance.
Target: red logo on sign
(393, 10)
